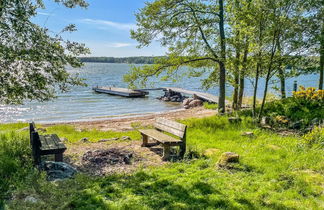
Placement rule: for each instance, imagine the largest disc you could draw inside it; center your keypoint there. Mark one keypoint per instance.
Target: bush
(15, 162)
(315, 137)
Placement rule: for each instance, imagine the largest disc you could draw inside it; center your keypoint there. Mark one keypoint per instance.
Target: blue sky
(104, 26)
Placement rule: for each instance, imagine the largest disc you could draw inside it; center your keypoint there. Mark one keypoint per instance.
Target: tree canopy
(32, 60)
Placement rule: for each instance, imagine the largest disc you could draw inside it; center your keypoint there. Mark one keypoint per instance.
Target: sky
(104, 26)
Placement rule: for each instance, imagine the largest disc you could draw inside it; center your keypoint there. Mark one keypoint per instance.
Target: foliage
(273, 173)
(32, 62)
(309, 95)
(210, 105)
(315, 137)
(15, 162)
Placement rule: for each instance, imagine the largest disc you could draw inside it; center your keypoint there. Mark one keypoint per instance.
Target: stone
(84, 140)
(105, 140)
(58, 170)
(186, 101)
(195, 96)
(126, 138)
(195, 103)
(248, 133)
(265, 121)
(186, 106)
(226, 158)
(234, 119)
(31, 199)
(166, 99)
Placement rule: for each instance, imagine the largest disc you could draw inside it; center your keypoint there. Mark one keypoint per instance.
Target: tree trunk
(273, 51)
(236, 80)
(222, 70)
(256, 88)
(320, 86)
(282, 82)
(242, 74)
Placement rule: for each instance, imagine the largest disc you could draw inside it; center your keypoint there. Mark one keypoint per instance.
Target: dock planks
(120, 91)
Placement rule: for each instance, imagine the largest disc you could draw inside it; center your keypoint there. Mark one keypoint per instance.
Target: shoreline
(127, 123)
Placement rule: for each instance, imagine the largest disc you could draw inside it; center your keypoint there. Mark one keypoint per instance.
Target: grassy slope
(274, 172)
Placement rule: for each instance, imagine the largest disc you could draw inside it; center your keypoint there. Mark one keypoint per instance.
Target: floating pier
(121, 91)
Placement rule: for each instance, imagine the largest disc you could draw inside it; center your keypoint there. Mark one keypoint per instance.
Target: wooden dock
(203, 96)
(121, 91)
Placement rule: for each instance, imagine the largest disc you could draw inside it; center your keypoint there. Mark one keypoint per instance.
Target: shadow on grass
(154, 192)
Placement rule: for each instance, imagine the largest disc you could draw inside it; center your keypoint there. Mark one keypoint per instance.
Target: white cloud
(119, 44)
(121, 26)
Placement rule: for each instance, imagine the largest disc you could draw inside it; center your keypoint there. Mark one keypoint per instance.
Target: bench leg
(145, 140)
(59, 157)
(182, 150)
(166, 152)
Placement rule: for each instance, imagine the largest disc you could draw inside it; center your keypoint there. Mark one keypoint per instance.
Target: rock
(126, 138)
(31, 199)
(195, 103)
(195, 97)
(186, 101)
(228, 157)
(234, 119)
(211, 152)
(265, 121)
(186, 106)
(64, 140)
(105, 140)
(84, 140)
(166, 99)
(58, 170)
(249, 134)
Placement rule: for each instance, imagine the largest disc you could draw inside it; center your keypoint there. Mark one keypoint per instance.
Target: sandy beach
(127, 123)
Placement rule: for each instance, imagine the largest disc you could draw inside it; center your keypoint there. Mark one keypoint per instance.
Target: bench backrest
(172, 127)
(34, 136)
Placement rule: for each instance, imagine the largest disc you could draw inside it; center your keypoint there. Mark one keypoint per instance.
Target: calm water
(81, 103)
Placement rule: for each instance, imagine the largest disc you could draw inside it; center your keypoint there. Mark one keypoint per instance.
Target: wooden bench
(45, 145)
(159, 133)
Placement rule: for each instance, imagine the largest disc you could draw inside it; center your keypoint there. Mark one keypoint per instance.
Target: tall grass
(274, 172)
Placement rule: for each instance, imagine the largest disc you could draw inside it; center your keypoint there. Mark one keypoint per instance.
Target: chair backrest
(170, 126)
(34, 136)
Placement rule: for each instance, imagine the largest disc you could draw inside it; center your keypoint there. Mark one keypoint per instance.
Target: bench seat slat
(50, 142)
(161, 137)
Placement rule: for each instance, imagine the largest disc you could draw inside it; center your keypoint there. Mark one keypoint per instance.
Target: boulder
(265, 121)
(126, 138)
(31, 199)
(226, 158)
(248, 133)
(57, 170)
(105, 140)
(195, 103)
(84, 140)
(187, 101)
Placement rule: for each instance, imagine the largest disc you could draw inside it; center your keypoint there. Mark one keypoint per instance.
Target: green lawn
(274, 172)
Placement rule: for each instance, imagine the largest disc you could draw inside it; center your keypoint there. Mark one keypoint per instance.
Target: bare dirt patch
(103, 158)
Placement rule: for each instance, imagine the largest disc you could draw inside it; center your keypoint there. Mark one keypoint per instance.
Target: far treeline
(233, 40)
(131, 60)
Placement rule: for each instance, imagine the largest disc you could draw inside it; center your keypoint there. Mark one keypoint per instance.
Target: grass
(210, 105)
(274, 172)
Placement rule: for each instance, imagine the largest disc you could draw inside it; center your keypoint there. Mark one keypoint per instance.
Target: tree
(32, 62)
(194, 32)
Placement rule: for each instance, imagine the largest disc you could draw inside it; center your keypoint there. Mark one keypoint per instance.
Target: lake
(82, 104)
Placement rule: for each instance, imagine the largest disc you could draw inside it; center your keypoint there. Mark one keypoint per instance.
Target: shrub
(315, 137)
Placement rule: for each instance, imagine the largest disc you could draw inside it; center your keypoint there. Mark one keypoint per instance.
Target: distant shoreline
(125, 60)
